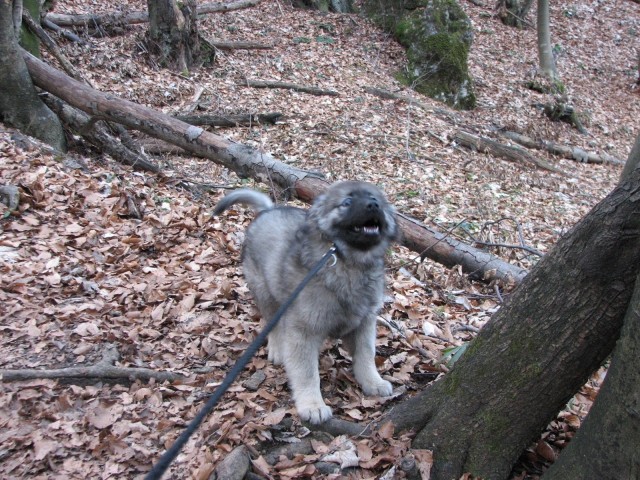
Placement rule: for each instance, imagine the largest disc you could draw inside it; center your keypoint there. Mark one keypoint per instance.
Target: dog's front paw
(380, 388)
(314, 413)
(275, 356)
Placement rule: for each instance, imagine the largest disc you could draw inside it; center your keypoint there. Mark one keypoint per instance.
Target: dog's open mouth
(368, 229)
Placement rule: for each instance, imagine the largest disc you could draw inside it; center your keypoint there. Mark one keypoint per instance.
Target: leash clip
(334, 257)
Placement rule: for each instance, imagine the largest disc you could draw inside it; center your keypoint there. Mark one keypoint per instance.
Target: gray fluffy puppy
(282, 244)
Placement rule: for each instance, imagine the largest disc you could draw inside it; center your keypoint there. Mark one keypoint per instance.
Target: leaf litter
(98, 254)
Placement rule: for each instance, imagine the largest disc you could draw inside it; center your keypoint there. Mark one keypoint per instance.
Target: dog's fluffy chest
(356, 296)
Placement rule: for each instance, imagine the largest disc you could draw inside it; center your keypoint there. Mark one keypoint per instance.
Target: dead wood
(46, 23)
(565, 151)
(50, 45)
(223, 45)
(102, 370)
(248, 162)
(289, 86)
(514, 154)
(242, 120)
(90, 20)
(98, 135)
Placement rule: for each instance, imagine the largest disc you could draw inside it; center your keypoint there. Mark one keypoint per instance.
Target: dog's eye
(346, 202)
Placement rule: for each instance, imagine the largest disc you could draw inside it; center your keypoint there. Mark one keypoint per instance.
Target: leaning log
(248, 162)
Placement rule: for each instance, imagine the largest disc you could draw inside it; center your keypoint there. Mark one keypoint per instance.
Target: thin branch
(104, 369)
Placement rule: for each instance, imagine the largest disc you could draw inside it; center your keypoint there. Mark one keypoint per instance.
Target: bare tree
(545, 52)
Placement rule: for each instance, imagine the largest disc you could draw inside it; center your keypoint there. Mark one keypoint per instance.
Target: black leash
(160, 468)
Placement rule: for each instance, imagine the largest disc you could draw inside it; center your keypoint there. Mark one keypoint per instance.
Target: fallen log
(514, 154)
(224, 45)
(247, 162)
(289, 86)
(91, 20)
(97, 135)
(241, 120)
(565, 151)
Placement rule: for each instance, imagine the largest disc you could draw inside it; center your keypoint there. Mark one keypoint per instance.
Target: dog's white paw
(274, 356)
(379, 388)
(314, 413)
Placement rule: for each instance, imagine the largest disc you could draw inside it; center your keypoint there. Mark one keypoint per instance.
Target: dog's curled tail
(256, 200)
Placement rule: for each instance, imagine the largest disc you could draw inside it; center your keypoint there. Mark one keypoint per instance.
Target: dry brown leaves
(103, 255)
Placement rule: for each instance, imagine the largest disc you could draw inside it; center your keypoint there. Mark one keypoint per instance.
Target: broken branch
(104, 369)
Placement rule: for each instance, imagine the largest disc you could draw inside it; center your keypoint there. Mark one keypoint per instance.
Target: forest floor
(80, 274)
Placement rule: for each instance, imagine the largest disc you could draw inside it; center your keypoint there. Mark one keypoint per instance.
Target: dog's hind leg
(301, 364)
(361, 343)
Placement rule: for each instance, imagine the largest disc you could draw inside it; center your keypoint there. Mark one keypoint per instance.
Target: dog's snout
(373, 204)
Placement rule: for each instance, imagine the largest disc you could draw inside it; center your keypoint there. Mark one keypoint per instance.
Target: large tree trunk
(173, 34)
(606, 446)
(616, 411)
(538, 350)
(20, 105)
(249, 162)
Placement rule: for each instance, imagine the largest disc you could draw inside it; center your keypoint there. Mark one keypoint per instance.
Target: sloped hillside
(102, 260)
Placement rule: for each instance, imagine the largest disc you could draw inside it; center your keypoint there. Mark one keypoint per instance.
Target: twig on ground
(104, 369)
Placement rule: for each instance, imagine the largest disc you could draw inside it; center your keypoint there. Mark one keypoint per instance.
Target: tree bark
(606, 446)
(545, 54)
(250, 163)
(632, 162)
(20, 105)
(173, 34)
(538, 350)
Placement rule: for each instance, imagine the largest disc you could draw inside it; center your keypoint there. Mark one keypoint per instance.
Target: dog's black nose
(373, 204)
